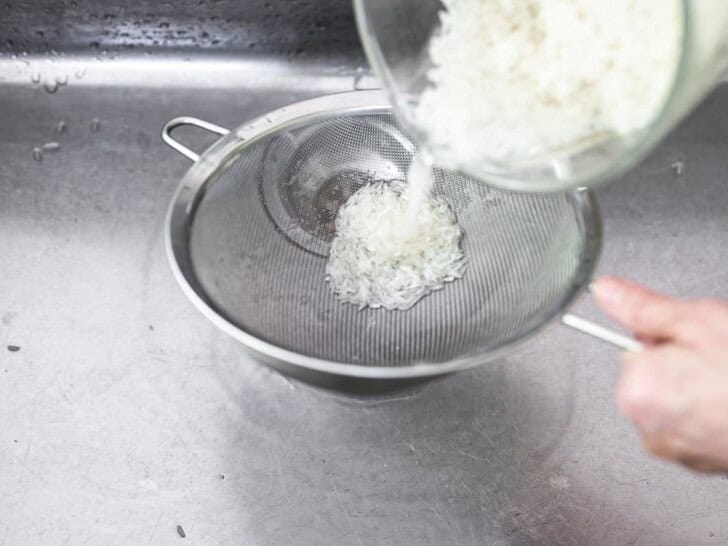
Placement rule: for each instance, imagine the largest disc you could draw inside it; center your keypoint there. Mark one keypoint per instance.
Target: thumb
(643, 311)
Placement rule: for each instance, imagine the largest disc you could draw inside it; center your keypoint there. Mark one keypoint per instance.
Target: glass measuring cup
(397, 34)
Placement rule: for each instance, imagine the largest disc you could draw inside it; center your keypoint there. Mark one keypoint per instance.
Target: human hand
(675, 390)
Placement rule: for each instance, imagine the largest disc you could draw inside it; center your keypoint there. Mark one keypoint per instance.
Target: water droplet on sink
(363, 79)
(50, 87)
(35, 77)
(95, 125)
(61, 127)
(51, 147)
(37, 154)
(62, 80)
(80, 73)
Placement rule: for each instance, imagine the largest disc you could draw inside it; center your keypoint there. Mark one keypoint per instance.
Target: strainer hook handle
(600, 332)
(194, 122)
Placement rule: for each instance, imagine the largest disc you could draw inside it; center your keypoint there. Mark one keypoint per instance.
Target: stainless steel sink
(125, 414)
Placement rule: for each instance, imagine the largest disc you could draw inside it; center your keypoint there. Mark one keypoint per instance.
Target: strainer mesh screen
(262, 230)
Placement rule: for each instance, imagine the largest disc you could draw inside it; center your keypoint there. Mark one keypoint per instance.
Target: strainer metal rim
(192, 187)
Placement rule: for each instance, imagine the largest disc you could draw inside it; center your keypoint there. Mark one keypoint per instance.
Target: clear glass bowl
(396, 36)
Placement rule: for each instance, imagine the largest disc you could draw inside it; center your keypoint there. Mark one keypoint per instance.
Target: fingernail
(607, 292)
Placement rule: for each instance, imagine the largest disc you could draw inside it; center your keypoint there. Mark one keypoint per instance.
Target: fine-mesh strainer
(250, 227)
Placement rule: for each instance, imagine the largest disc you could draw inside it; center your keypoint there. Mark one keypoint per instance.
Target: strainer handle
(600, 332)
(194, 122)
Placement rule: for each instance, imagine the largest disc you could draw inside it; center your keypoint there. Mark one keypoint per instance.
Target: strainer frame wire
(227, 149)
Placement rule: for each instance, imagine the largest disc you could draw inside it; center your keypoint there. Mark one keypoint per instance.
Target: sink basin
(125, 414)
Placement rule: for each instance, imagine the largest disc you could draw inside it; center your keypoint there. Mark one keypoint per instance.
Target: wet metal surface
(125, 414)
